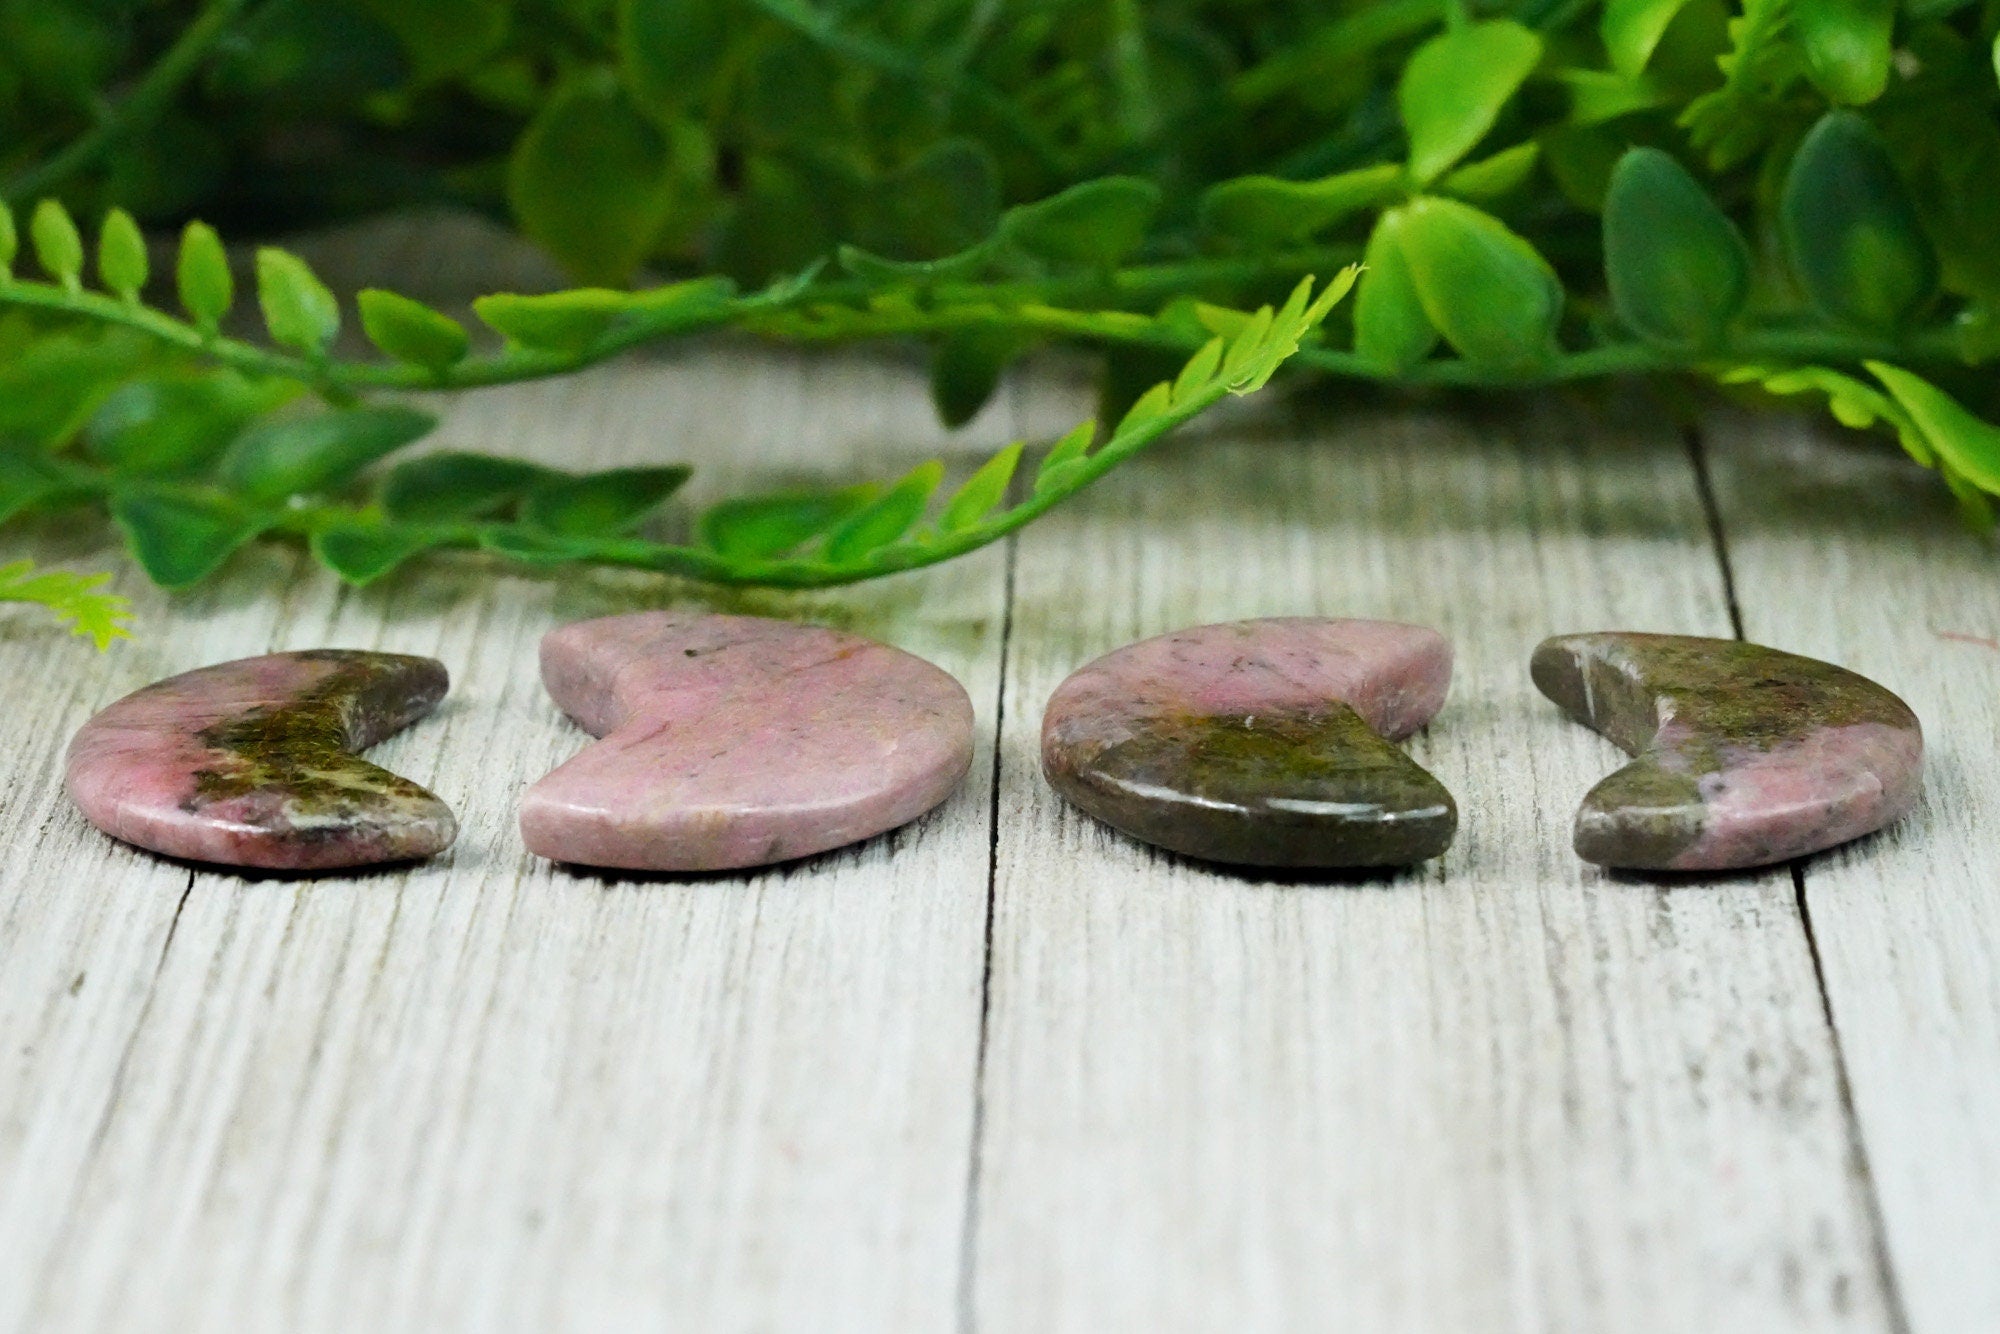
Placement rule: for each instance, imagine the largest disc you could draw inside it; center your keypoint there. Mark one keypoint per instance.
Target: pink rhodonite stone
(732, 741)
(1742, 755)
(251, 763)
(1261, 742)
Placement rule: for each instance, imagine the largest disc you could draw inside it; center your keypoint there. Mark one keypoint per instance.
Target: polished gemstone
(1742, 755)
(732, 741)
(252, 763)
(1262, 742)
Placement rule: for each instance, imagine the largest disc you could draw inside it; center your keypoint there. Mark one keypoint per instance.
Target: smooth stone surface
(1262, 743)
(251, 763)
(732, 741)
(1744, 755)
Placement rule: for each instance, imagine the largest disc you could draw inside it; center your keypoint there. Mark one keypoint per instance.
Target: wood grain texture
(486, 1092)
(1503, 1092)
(1846, 551)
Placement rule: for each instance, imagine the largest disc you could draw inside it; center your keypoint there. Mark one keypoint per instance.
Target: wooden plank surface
(486, 1092)
(1844, 550)
(1025, 1075)
(1505, 1092)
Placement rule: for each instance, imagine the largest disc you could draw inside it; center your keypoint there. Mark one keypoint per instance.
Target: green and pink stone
(1260, 742)
(1742, 755)
(736, 741)
(252, 763)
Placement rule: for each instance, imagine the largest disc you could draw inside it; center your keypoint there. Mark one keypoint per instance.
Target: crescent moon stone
(1262, 742)
(1742, 755)
(736, 741)
(251, 763)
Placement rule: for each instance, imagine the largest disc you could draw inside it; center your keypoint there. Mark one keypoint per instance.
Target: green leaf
(1851, 230)
(965, 264)
(601, 503)
(1631, 29)
(1969, 445)
(202, 275)
(50, 387)
(361, 552)
(1489, 292)
(966, 369)
(1264, 211)
(1597, 96)
(411, 331)
(1494, 177)
(946, 200)
(1153, 403)
(177, 425)
(1069, 450)
(1390, 327)
(1454, 87)
(1847, 46)
(1200, 371)
(1129, 371)
(303, 455)
(298, 310)
(982, 491)
(1281, 334)
(451, 487)
(72, 598)
(24, 483)
(571, 322)
(180, 539)
(443, 37)
(886, 518)
(1678, 268)
(592, 180)
(10, 242)
(565, 322)
(1095, 222)
(672, 48)
(532, 546)
(756, 527)
(58, 245)
(121, 256)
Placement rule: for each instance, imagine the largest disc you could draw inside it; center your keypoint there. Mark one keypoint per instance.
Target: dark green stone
(1297, 789)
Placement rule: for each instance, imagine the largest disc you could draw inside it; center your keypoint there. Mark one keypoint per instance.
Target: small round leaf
(411, 331)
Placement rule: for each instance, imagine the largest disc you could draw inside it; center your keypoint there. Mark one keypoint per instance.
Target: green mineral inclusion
(1305, 788)
(300, 750)
(1730, 700)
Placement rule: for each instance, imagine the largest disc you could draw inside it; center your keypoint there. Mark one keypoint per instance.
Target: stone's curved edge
(1260, 742)
(729, 742)
(1395, 676)
(250, 764)
(1743, 755)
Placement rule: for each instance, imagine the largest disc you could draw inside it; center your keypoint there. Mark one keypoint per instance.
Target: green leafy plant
(74, 599)
(1791, 196)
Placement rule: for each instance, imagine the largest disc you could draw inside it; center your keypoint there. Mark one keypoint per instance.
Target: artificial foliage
(1786, 197)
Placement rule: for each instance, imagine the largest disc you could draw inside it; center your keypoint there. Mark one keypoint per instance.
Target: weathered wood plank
(1846, 551)
(485, 1092)
(1503, 1092)
(84, 922)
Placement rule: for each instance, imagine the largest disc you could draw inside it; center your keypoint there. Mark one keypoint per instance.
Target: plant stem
(832, 313)
(158, 85)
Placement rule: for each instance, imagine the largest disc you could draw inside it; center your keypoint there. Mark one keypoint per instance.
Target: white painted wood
(84, 922)
(1846, 551)
(1506, 1092)
(486, 1093)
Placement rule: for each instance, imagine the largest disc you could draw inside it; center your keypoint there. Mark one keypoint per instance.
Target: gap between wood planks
(1697, 449)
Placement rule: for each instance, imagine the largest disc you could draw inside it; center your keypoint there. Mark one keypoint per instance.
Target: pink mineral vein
(736, 741)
